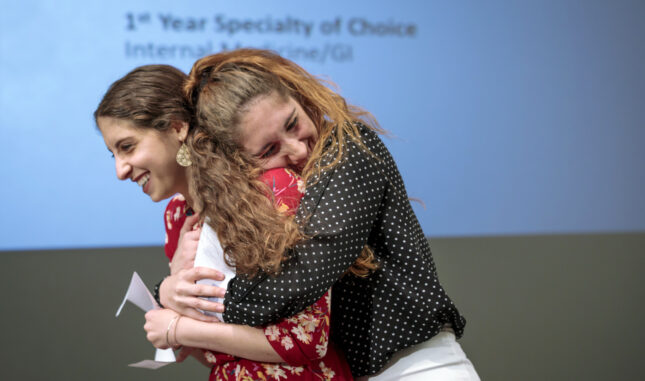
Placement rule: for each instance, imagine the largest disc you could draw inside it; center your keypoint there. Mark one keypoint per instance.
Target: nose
(296, 151)
(123, 169)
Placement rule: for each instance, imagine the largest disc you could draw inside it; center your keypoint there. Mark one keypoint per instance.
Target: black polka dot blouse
(361, 201)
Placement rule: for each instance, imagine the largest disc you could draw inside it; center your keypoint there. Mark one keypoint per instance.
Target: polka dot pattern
(361, 201)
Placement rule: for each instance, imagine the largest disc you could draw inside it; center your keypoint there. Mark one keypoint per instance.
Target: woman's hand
(180, 293)
(197, 353)
(184, 256)
(184, 352)
(157, 327)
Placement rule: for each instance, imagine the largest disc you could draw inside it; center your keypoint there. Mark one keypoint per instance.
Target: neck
(185, 188)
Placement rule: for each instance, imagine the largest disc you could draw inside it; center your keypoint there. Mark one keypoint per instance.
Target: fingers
(192, 235)
(186, 249)
(198, 273)
(187, 304)
(194, 314)
(206, 305)
(208, 291)
(189, 241)
(187, 245)
(189, 223)
(154, 328)
(180, 293)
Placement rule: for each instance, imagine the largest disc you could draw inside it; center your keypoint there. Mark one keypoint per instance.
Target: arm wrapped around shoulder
(339, 210)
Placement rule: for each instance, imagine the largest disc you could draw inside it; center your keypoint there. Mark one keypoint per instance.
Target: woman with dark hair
(145, 120)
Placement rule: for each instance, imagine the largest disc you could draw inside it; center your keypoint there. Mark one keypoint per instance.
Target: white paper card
(149, 364)
(139, 295)
(165, 355)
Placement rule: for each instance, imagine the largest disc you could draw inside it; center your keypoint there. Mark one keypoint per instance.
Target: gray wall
(538, 308)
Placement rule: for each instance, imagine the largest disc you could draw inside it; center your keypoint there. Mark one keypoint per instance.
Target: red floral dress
(301, 340)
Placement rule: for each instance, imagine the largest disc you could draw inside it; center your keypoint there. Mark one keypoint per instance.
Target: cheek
(166, 167)
(312, 132)
(275, 162)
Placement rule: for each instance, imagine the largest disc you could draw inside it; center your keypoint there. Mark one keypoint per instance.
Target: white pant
(440, 358)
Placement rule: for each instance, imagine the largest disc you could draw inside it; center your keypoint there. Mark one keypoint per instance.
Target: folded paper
(139, 295)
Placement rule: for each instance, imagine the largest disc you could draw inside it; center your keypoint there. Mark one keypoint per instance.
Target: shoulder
(174, 217)
(286, 186)
(176, 201)
(175, 212)
(371, 139)
(280, 178)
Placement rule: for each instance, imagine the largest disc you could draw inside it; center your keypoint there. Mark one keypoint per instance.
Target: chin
(160, 197)
(156, 198)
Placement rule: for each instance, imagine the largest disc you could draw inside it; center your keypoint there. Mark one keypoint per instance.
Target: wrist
(170, 325)
(157, 293)
(176, 339)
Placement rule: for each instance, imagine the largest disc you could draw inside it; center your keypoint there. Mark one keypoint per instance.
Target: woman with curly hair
(355, 230)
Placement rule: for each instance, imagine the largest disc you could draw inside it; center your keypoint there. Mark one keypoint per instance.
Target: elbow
(321, 350)
(305, 355)
(313, 352)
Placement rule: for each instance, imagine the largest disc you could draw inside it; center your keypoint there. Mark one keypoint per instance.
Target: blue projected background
(505, 118)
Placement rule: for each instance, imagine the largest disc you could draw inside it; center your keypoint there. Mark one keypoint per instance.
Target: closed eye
(125, 147)
(292, 124)
(269, 152)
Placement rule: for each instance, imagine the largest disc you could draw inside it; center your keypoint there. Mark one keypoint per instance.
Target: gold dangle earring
(183, 156)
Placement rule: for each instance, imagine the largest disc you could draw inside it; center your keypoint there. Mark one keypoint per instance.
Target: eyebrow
(286, 124)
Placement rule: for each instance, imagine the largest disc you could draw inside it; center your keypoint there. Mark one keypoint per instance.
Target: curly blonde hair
(223, 179)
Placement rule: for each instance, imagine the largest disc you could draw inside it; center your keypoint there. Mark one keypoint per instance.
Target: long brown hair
(223, 179)
(149, 96)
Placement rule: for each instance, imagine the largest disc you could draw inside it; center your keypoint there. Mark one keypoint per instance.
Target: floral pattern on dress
(174, 218)
(287, 188)
(301, 340)
(309, 329)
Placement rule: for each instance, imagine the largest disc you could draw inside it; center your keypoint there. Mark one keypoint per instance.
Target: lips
(143, 180)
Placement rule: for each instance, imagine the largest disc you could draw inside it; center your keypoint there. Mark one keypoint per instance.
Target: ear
(180, 128)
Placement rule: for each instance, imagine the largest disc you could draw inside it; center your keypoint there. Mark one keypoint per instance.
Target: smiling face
(278, 132)
(146, 156)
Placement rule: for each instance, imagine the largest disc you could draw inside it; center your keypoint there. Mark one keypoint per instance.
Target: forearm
(336, 240)
(237, 340)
